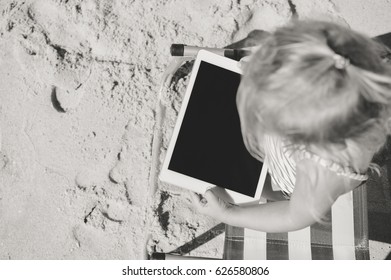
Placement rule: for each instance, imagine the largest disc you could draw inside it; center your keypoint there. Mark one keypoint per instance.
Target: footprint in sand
(65, 100)
(55, 47)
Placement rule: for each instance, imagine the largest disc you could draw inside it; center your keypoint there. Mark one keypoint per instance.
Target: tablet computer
(207, 148)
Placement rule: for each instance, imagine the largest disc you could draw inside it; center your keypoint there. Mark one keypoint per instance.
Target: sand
(79, 89)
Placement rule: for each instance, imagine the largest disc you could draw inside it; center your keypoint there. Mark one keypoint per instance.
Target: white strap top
(282, 165)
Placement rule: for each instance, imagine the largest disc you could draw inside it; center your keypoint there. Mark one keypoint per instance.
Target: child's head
(316, 83)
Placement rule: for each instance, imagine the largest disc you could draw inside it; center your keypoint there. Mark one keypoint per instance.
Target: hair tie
(340, 62)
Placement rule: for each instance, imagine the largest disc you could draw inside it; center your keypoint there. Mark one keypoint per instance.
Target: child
(315, 101)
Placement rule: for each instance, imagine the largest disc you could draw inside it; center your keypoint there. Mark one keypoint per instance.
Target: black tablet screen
(210, 146)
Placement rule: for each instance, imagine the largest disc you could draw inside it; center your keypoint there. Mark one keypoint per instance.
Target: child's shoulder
(334, 165)
(320, 178)
(291, 163)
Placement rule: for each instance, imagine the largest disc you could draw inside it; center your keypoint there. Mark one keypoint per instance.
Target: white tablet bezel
(188, 182)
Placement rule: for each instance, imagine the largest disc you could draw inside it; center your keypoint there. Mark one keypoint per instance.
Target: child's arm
(316, 190)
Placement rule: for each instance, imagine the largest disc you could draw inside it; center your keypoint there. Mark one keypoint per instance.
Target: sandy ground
(79, 83)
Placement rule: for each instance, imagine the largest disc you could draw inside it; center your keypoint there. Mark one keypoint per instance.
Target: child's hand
(211, 204)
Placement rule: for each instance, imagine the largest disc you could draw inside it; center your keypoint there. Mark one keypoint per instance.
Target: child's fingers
(197, 200)
(210, 196)
(194, 197)
(205, 201)
(221, 194)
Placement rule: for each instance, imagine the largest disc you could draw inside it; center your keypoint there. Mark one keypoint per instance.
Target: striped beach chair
(344, 237)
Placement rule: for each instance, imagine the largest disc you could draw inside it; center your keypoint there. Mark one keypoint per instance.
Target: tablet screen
(209, 146)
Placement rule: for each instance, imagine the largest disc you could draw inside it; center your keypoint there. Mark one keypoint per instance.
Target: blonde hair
(296, 87)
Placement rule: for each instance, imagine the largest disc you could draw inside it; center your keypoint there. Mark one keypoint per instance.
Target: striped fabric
(282, 164)
(345, 237)
(281, 167)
